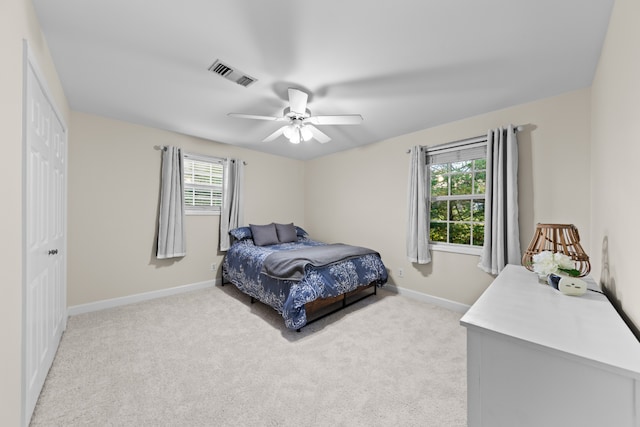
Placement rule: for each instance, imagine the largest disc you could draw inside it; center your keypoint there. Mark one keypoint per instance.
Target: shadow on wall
(526, 200)
(608, 284)
(424, 269)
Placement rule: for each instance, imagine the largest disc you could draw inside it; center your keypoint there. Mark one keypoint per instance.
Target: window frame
(450, 151)
(204, 210)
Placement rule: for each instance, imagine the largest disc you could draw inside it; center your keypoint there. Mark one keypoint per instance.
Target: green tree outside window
(457, 202)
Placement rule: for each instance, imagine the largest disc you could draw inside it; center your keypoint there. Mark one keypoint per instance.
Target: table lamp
(563, 238)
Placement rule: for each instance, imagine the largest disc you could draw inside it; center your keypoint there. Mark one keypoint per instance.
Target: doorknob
(53, 251)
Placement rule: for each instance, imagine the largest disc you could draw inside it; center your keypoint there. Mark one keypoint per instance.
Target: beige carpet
(210, 358)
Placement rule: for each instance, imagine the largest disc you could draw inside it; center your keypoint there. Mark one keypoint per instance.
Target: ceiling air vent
(231, 73)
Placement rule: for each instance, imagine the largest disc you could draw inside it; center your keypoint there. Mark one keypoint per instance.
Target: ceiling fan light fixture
(295, 137)
(288, 131)
(306, 133)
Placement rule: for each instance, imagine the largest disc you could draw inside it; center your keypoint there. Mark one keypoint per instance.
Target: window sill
(201, 213)
(459, 249)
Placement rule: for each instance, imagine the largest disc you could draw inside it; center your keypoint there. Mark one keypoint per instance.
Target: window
(458, 179)
(202, 184)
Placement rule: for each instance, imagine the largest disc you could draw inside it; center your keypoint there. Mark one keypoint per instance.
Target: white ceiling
(404, 65)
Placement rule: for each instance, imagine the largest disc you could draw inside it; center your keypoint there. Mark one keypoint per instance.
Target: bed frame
(335, 304)
(323, 307)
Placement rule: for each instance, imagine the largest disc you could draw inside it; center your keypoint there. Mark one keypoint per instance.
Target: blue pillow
(300, 232)
(241, 233)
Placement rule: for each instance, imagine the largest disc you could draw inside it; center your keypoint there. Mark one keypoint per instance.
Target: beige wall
(17, 22)
(112, 215)
(615, 152)
(114, 184)
(359, 196)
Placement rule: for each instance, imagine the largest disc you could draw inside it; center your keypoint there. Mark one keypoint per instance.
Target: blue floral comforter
(243, 263)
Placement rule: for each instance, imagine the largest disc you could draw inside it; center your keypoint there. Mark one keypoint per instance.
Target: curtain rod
(473, 139)
(164, 148)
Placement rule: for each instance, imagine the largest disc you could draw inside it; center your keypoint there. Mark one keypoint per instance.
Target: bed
(279, 265)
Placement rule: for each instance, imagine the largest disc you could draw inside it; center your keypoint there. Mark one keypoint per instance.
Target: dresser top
(588, 327)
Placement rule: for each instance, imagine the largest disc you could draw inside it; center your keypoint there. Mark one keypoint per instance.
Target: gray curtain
(232, 214)
(501, 230)
(418, 214)
(171, 242)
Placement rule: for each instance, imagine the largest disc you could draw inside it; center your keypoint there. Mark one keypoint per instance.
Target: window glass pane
(461, 166)
(188, 196)
(478, 235)
(439, 185)
(202, 198)
(439, 169)
(460, 210)
(460, 234)
(480, 183)
(478, 210)
(216, 197)
(438, 232)
(461, 184)
(480, 164)
(439, 211)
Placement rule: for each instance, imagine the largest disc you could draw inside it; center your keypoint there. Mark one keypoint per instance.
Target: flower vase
(543, 279)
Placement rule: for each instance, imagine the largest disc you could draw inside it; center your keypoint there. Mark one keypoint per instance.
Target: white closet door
(45, 237)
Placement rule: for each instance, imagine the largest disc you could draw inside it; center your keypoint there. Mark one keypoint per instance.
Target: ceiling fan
(300, 122)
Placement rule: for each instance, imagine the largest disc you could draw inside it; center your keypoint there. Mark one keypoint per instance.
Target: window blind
(203, 178)
(461, 153)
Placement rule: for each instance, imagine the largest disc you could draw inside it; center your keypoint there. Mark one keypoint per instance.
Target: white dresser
(536, 357)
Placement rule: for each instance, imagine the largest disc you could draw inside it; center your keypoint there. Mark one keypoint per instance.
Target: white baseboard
(130, 299)
(442, 302)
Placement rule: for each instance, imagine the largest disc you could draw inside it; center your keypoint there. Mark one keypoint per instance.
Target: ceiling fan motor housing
(296, 116)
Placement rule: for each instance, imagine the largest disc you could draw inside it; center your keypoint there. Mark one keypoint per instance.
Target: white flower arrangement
(547, 262)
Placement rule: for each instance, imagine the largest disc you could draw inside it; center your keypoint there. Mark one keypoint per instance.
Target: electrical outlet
(213, 266)
(400, 272)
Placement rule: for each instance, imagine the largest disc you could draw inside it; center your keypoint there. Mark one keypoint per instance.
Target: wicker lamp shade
(563, 238)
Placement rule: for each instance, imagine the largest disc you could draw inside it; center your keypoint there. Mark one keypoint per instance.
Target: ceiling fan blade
(256, 117)
(298, 101)
(274, 135)
(347, 119)
(320, 136)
